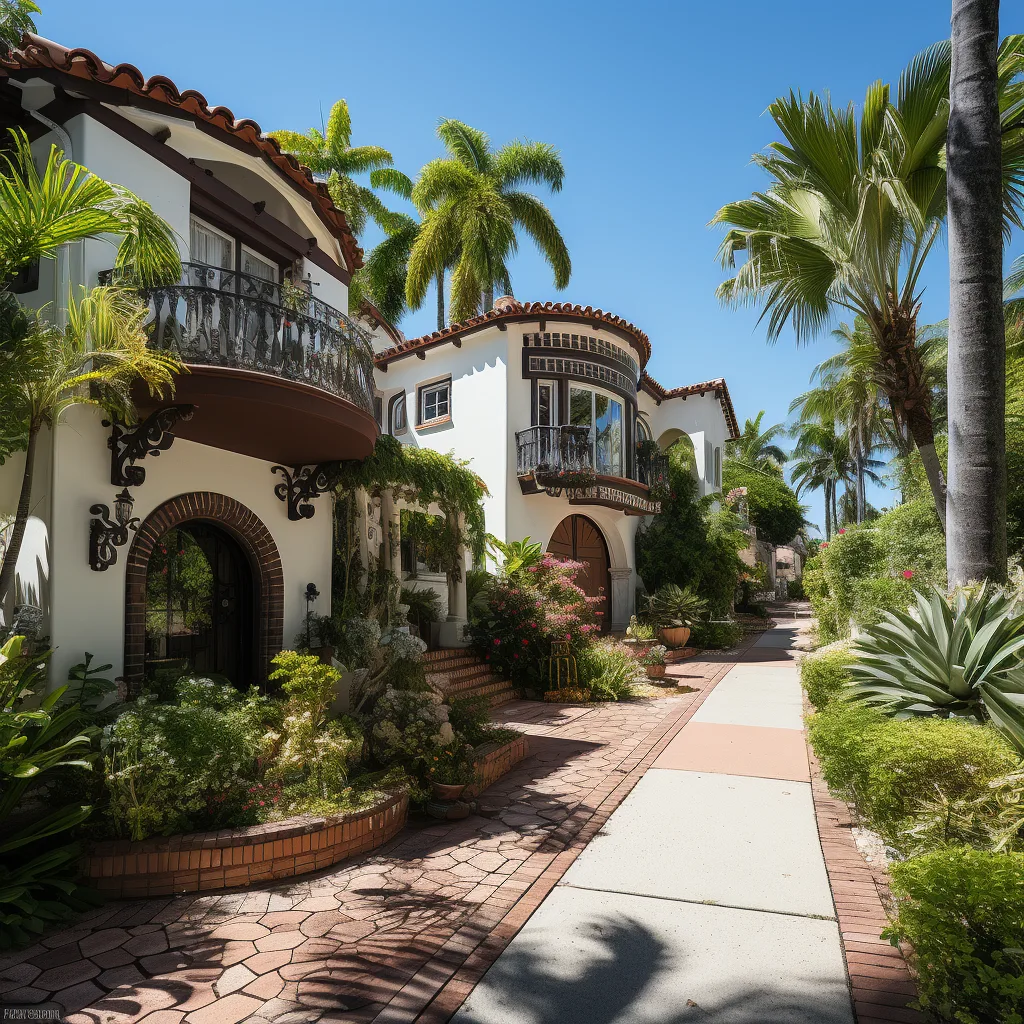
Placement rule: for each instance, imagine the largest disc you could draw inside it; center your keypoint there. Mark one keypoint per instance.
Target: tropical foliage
(770, 503)
(673, 606)
(854, 206)
(473, 205)
(756, 448)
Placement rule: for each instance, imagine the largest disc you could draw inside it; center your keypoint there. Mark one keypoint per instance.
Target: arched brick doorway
(580, 539)
(258, 549)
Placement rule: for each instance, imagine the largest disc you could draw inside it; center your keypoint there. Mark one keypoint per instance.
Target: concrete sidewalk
(705, 897)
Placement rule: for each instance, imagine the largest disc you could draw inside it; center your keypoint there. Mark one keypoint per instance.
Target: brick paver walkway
(397, 936)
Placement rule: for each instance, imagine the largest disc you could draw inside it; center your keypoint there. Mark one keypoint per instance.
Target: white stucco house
(197, 534)
(552, 406)
(276, 386)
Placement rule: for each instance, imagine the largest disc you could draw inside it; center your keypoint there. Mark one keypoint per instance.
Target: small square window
(435, 402)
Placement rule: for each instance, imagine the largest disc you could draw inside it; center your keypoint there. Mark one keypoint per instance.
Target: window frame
(214, 230)
(552, 386)
(397, 401)
(424, 389)
(615, 399)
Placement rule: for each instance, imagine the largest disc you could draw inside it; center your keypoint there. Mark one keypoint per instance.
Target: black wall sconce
(106, 535)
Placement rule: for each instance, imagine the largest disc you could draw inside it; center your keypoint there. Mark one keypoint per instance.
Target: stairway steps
(466, 675)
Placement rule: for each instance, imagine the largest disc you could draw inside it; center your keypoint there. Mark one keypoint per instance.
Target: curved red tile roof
(510, 309)
(36, 52)
(718, 385)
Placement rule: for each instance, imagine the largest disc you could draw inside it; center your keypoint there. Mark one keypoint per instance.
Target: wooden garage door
(579, 539)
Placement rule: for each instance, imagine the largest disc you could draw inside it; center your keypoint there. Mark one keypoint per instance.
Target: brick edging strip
(441, 986)
(881, 984)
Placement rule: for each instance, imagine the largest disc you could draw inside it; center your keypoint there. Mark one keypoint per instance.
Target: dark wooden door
(579, 539)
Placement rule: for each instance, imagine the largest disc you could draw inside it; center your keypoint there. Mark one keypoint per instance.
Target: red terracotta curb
(881, 984)
(440, 987)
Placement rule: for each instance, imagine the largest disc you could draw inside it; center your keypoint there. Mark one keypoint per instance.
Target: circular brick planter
(164, 865)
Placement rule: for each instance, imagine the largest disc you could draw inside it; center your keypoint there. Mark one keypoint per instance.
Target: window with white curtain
(210, 246)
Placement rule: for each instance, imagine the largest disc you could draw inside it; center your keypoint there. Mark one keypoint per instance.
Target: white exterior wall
(87, 607)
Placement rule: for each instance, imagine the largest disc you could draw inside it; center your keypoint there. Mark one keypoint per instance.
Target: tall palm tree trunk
(862, 501)
(828, 510)
(487, 299)
(7, 576)
(976, 373)
(439, 280)
(910, 399)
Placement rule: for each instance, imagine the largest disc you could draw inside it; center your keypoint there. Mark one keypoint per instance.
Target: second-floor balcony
(570, 460)
(274, 371)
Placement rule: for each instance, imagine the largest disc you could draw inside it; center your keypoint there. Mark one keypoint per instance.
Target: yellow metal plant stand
(563, 678)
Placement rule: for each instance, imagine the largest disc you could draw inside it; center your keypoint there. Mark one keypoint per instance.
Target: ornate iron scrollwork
(150, 437)
(302, 484)
(106, 535)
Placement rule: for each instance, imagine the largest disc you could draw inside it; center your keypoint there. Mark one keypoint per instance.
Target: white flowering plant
(408, 726)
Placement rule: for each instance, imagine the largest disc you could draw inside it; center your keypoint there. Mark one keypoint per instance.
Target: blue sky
(655, 108)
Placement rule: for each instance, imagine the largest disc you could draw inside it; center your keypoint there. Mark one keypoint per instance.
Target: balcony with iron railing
(273, 371)
(561, 459)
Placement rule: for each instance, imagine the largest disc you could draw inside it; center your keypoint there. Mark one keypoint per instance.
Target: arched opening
(578, 538)
(681, 445)
(231, 612)
(200, 604)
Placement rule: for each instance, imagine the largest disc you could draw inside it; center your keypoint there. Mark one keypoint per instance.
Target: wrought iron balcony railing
(652, 470)
(223, 318)
(556, 454)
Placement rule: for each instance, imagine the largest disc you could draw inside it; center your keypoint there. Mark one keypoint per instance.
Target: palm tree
(330, 155)
(853, 209)
(94, 360)
(472, 207)
(40, 213)
(976, 495)
(823, 462)
(756, 448)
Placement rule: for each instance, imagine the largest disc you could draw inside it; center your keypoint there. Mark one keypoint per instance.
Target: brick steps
(468, 676)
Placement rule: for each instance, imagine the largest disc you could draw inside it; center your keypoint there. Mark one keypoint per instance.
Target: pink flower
(497, 642)
(907, 573)
(843, 530)
(824, 544)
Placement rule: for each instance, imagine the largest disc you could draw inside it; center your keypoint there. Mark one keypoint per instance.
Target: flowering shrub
(177, 767)
(525, 613)
(452, 765)
(409, 726)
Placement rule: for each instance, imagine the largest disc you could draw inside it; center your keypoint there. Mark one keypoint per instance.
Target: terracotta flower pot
(655, 671)
(675, 636)
(443, 792)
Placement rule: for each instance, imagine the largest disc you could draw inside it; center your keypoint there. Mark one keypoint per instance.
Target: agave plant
(947, 656)
(672, 606)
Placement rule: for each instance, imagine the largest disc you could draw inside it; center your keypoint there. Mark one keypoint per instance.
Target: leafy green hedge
(892, 768)
(963, 912)
(715, 636)
(860, 573)
(824, 674)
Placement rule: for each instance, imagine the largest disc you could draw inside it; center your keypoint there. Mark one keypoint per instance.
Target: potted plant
(675, 610)
(653, 660)
(640, 634)
(450, 770)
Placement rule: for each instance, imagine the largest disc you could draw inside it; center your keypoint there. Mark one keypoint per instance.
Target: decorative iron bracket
(302, 484)
(150, 437)
(106, 535)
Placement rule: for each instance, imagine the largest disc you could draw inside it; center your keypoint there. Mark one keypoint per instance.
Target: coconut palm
(976, 496)
(756, 448)
(473, 207)
(331, 156)
(853, 208)
(822, 461)
(94, 360)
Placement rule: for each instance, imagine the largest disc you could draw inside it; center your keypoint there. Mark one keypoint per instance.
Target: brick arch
(255, 540)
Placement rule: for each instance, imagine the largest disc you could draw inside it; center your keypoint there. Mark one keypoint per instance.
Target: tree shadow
(624, 966)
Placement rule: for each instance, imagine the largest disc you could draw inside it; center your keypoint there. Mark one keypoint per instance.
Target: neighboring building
(225, 546)
(551, 405)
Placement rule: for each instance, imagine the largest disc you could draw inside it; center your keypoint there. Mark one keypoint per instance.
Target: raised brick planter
(165, 865)
(497, 760)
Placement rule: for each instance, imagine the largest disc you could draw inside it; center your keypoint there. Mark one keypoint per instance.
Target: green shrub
(892, 768)
(608, 672)
(773, 506)
(824, 674)
(963, 912)
(910, 540)
(875, 596)
(715, 636)
(816, 585)
(795, 590)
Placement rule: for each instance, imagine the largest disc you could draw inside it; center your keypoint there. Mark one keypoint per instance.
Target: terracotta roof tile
(661, 393)
(510, 309)
(35, 52)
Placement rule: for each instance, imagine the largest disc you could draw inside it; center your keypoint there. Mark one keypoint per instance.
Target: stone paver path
(705, 898)
(398, 936)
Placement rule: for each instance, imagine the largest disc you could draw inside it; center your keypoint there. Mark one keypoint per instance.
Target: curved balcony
(275, 373)
(560, 459)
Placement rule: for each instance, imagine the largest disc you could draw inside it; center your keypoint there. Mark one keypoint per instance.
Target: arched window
(643, 432)
(398, 418)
